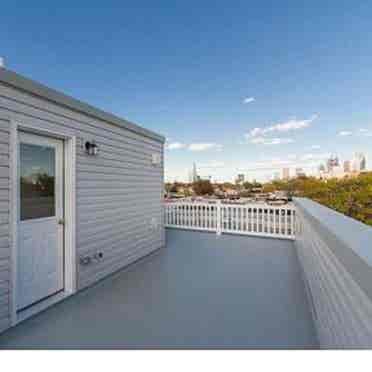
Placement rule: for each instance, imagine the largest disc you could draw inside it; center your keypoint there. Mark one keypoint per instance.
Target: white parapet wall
(335, 252)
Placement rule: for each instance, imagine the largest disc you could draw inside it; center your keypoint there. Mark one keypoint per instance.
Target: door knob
(61, 221)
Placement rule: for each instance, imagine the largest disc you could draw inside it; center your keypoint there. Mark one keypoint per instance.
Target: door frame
(70, 269)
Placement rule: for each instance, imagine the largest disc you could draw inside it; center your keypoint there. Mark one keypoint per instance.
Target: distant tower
(321, 171)
(285, 173)
(359, 162)
(240, 179)
(194, 173)
(332, 162)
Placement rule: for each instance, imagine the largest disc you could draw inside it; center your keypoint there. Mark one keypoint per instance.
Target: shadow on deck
(202, 291)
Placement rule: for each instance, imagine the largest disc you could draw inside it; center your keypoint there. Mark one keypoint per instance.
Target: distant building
(276, 176)
(240, 179)
(347, 166)
(321, 171)
(359, 162)
(331, 163)
(300, 172)
(285, 173)
(195, 176)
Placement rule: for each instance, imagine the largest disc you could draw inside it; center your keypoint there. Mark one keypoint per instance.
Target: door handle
(61, 221)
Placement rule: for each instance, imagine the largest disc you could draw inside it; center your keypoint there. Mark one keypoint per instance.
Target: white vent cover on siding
(155, 159)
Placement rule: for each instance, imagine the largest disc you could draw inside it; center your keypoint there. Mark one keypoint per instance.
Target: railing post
(219, 218)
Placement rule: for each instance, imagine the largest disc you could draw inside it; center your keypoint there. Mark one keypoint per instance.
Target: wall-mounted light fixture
(91, 148)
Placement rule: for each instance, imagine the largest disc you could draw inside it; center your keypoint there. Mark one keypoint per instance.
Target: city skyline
(319, 168)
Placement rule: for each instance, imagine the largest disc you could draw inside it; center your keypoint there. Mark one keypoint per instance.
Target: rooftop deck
(201, 291)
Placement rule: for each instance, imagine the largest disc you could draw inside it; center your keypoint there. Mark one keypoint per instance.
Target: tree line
(350, 196)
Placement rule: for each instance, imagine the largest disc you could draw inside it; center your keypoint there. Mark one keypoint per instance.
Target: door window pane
(37, 179)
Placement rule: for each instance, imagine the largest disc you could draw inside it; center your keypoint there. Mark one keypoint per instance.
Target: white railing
(247, 219)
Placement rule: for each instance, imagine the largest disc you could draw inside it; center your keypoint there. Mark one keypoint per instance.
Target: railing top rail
(191, 204)
(259, 206)
(226, 205)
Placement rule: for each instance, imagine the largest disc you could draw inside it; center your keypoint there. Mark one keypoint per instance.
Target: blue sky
(206, 74)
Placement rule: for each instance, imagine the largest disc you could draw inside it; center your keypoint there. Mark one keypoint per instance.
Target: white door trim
(70, 218)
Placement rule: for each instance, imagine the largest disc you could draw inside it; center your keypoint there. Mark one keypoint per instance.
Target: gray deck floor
(202, 291)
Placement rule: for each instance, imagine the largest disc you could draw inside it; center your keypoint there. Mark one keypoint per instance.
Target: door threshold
(41, 306)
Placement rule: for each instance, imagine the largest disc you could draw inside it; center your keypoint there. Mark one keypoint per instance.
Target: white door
(40, 260)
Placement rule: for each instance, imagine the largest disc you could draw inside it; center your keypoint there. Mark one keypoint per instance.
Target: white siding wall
(4, 224)
(338, 279)
(119, 192)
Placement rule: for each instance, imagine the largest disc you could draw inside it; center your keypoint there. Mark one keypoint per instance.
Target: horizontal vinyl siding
(342, 311)
(4, 224)
(118, 192)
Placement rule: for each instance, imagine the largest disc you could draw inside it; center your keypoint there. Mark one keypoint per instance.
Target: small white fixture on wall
(155, 159)
(154, 224)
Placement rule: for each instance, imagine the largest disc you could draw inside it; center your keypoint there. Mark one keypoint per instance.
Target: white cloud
(212, 164)
(314, 147)
(365, 132)
(292, 124)
(249, 100)
(270, 141)
(204, 146)
(306, 161)
(345, 133)
(175, 146)
(312, 156)
(254, 132)
(193, 146)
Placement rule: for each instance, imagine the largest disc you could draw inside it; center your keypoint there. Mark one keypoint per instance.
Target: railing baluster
(194, 223)
(269, 220)
(176, 215)
(256, 219)
(187, 215)
(286, 222)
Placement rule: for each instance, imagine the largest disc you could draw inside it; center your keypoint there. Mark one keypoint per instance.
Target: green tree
(350, 196)
(203, 187)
